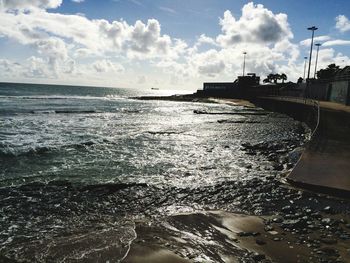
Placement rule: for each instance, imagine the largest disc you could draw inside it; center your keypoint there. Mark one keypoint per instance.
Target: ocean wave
(76, 111)
(52, 97)
(10, 151)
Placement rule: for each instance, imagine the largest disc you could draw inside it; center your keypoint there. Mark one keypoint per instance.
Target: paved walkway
(323, 104)
(325, 163)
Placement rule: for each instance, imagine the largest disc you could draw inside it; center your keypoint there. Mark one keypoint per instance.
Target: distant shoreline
(195, 98)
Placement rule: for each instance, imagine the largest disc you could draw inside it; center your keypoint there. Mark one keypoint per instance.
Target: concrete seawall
(325, 164)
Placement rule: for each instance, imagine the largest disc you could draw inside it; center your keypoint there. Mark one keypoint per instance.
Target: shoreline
(195, 98)
(220, 236)
(303, 227)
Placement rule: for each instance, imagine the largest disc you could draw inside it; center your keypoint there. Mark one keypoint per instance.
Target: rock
(277, 220)
(258, 257)
(293, 223)
(326, 221)
(278, 167)
(245, 234)
(328, 251)
(344, 237)
(327, 209)
(308, 211)
(328, 241)
(260, 242)
(268, 228)
(287, 208)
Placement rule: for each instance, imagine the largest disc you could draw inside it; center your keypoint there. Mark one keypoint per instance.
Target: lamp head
(312, 28)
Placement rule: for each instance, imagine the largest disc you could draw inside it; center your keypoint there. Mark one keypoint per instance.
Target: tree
(275, 77)
(283, 77)
(328, 72)
(269, 78)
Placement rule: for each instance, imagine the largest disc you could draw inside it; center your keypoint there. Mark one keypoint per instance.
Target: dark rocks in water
(282, 154)
(248, 234)
(329, 241)
(260, 242)
(268, 228)
(287, 208)
(258, 257)
(240, 121)
(200, 112)
(329, 251)
(294, 223)
(278, 167)
(326, 221)
(327, 210)
(110, 188)
(277, 220)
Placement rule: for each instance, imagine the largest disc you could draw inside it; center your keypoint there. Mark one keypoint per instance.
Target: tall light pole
(318, 48)
(313, 29)
(244, 54)
(305, 58)
(307, 92)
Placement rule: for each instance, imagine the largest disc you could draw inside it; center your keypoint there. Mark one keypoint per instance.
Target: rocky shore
(269, 220)
(263, 220)
(258, 218)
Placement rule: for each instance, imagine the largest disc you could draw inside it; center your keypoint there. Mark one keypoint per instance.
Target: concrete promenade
(325, 164)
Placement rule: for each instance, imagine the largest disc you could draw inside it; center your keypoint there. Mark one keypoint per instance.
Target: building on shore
(229, 89)
(335, 88)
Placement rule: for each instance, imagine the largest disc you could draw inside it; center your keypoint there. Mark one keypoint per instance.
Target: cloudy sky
(168, 44)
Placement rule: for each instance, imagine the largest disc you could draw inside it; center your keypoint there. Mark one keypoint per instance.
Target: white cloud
(307, 42)
(74, 47)
(140, 40)
(265, 36)
(342, 23)
(78, 1)
(107, 66)
(29, 4)
(256, 25)
(203, 39)
(36, 68)
(336, 42)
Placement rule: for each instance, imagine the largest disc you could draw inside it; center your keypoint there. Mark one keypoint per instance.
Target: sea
(80, 165)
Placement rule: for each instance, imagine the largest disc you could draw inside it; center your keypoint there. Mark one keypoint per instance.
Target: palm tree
(276, 77)
(270, 77)
(283, 77)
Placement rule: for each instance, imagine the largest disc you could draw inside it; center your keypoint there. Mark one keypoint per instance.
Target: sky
(166, 44)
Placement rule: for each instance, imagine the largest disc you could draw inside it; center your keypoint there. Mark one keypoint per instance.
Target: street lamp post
(313, 29)
(318, 48)
(244, 54)
(305, 58)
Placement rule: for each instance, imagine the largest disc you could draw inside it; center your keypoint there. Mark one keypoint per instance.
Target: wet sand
(218, 236)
